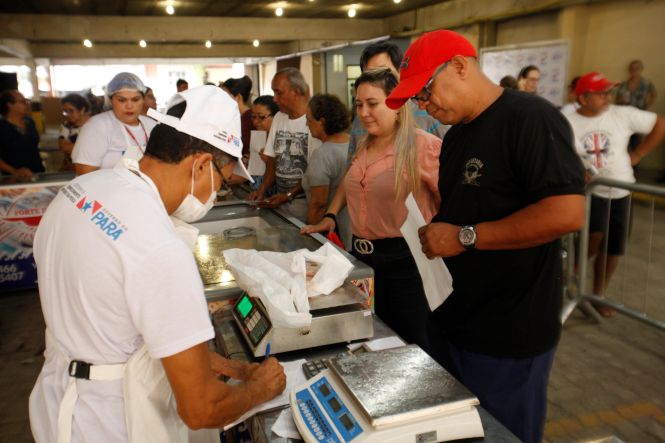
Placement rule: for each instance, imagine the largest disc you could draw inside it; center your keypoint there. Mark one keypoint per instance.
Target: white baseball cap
(211, 115)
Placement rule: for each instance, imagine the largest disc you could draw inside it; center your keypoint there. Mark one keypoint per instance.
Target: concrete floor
(607, 384)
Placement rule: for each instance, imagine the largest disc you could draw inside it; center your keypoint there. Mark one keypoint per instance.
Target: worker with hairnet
(120, 132)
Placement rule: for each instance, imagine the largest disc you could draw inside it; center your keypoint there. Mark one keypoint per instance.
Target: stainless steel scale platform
(344, 315)
(396, 395)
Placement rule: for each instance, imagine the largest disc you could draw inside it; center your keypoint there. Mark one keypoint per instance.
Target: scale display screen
(252, 318)
(244, 306)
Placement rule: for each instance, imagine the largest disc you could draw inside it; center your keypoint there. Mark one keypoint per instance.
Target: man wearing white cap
(120, 132)
(127, 324)
(510, 186)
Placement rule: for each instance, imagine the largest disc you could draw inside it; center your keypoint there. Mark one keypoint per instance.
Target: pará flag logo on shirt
(85, 206)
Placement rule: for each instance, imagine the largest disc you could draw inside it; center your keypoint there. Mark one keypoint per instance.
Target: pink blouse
(370, 197)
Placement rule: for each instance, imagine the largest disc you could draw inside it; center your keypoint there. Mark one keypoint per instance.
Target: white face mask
(191, 209)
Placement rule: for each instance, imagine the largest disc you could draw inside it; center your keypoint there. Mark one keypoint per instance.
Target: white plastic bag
(279, 279)
(334, 268)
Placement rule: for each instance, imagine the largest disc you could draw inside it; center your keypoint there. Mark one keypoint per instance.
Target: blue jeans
(513, 390)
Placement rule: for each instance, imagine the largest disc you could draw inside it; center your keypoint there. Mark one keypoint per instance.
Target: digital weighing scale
(397, 395)
(341, 316)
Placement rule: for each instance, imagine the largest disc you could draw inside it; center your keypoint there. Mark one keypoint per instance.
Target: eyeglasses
(217, 168)
(425, 93)
(260, 117)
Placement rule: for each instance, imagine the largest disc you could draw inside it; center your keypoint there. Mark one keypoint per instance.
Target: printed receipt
(437, 281)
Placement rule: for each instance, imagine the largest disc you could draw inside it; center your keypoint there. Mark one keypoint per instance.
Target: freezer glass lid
(245, 229)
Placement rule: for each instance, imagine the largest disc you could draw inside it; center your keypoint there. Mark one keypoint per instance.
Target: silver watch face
(467, 236)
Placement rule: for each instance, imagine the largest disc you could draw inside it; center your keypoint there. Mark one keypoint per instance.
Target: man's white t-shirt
(104, 140)
(113, 275)
(292, 145)
(603, 142)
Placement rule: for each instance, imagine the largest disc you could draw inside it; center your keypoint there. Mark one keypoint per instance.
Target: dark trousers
(399, 297)
(513, 390)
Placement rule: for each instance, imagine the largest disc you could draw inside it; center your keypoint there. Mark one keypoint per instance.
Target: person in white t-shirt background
(289, 146)
(602, 132)
(127, 357)
(120, 132)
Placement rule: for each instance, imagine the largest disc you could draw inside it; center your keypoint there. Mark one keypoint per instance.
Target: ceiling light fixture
(256, 43)
(87, 43)
(397, 1)
(143, 44)
(352, 12)
(208, 44)
(170, 10)
(279, 12)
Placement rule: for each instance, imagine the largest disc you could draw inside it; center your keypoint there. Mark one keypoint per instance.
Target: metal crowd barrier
(649, 256)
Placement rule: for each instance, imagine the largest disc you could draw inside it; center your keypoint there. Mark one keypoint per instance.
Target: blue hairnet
(125, 80)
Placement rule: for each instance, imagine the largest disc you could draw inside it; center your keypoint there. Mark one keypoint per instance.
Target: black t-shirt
(518, 151)
(20, 150)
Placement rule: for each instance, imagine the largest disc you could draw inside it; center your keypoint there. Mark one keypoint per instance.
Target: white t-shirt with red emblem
(602, 141)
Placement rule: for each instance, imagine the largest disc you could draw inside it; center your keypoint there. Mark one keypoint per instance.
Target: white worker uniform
(104, 140)
(114, 277)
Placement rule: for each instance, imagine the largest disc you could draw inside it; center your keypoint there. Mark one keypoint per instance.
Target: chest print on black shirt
(472, 172)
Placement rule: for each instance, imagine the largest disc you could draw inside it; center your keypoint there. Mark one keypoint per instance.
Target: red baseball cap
(593, 82)
(422, 58)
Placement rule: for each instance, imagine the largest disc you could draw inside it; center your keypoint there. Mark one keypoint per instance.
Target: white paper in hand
(257, 142)
(294, 377)
(437, 281)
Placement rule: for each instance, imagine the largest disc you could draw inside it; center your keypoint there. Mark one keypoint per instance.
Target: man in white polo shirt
(127, 324)
(602, 132)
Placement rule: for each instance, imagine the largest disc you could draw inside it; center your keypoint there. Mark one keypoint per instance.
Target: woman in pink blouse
(394, 159)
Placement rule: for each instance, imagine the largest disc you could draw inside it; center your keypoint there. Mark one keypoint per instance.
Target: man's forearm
(268, 176)
(652, 140)
(536, 224)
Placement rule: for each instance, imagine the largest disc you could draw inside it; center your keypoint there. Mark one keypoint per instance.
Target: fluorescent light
(279, 12)
(208, 44)
(143, 44)
(170, 10)
(352, 12)
(87, 43)
(256, 43)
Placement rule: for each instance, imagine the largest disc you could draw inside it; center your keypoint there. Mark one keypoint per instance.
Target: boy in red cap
(602, 132)
(510, 185)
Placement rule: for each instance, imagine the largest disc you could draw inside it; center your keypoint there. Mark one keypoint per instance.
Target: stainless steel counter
(231, 344)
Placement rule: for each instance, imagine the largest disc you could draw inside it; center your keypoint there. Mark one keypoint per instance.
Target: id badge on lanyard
(134, 150)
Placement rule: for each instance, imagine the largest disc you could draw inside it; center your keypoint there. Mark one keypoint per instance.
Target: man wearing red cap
(602, 132)
(510, 186)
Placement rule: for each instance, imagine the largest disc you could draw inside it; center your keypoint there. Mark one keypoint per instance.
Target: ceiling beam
(71, 28)
(125, 50)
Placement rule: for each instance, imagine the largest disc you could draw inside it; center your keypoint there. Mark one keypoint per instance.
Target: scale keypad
(315, 421)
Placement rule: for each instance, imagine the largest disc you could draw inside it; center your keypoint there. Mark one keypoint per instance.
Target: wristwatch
(289, 195)
(467, 237)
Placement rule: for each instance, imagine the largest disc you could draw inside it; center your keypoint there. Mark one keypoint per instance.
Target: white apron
(150, 407)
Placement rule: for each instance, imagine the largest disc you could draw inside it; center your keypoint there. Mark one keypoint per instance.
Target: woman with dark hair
(19, 140)
(263, 111)
(393, 160)
(328, 120)
(77, 112)
(241, 90)
(528, 78)
(120, 132)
